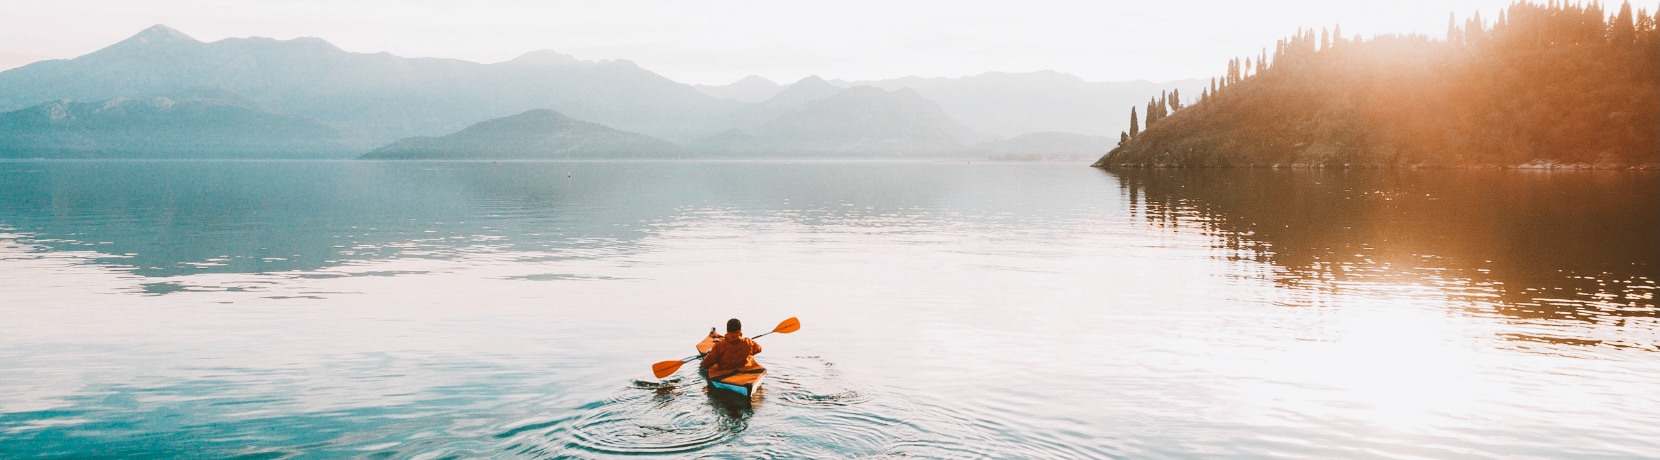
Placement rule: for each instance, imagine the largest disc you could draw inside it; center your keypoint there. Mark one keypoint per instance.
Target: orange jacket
(731, 351)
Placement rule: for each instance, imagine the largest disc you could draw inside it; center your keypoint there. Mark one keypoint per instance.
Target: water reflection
(1567, 249)
(175, 218)
(171, 218)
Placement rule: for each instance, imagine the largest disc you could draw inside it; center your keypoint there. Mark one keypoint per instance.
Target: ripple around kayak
(809, 411)
(648, 418)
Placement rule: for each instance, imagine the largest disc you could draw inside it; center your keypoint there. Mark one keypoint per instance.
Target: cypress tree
(1337, 34)
(1175, 99)
(1452, 29)
(1325, 39)
(1623, 31)
(1135, 127)
(1123, 138)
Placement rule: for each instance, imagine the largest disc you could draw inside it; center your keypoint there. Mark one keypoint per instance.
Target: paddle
(665, 368)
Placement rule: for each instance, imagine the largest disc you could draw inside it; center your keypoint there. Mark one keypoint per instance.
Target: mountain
(1047, 146)
(996, 103)
(750, 89)
(385, 96)
(1543, 86)
(535, 134)
(801, 92)
(374, 99)
(857, 121)
(788, 99)
(1010, 104)
(205, 122)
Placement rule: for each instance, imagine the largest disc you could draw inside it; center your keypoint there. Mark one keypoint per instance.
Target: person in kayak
(731, 351)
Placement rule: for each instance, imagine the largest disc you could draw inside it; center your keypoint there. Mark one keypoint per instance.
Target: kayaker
(733, 350)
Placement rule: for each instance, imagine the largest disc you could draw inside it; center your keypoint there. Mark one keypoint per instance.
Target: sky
(717, 42)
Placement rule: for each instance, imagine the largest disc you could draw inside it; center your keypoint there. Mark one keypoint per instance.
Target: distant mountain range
(1002, 104)
(536, 134)
(385, 96)
(751, 89)
(148, 95)
(206, 122)
(859, 121)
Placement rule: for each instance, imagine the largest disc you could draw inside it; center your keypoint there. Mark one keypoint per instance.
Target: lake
(323, 309)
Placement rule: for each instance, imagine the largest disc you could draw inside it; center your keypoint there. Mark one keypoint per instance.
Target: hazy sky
(716, 42)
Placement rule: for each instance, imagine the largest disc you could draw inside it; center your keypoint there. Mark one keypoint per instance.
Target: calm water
(457, 310)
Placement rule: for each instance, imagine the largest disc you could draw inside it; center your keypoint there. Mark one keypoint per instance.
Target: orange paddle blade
(665, 368)
(788, 326)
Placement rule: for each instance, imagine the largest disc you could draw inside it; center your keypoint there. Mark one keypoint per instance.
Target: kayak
(743, 381)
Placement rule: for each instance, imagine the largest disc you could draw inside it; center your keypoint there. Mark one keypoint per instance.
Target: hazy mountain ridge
(535, 134)
(858, 121)
(1001, 104)
(359, 100)
(750, 90)
(206, 122)
(387, 96)
(787, 99)
(1008, 104)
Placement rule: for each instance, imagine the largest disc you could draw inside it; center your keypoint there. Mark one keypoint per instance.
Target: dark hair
(733, 325)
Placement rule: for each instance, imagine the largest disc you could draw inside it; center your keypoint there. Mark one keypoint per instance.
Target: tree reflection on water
(1575, 249)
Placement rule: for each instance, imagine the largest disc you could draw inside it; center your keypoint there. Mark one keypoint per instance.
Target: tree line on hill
(1543, 85)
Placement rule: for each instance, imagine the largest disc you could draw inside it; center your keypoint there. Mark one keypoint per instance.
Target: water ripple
(646, 418)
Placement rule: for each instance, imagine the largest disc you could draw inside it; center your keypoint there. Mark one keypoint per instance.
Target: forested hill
(1542, 85)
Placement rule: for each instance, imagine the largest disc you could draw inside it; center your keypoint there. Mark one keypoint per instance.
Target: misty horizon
(543, 54)
(714, 44)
